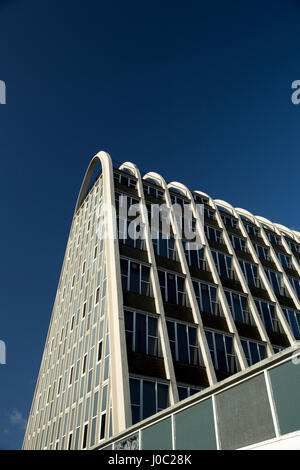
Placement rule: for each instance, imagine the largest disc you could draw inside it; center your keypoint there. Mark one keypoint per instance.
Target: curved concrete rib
(119, 365)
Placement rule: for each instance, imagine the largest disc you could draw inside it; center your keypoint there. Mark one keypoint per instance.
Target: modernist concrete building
(144, 329)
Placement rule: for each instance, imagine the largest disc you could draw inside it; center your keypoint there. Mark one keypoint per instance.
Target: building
(143, 327)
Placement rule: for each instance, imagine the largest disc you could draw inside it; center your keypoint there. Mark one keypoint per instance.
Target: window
(293, 318)
(70, 441)
(200, 199)
(250, 272)
(71, 375)
(223, 264)
(277, 349)
(195, 258)
(210, 214)
(268, 315)
(222, 351)
(135, 277)
(124, 202)
(131, 233)
(262, 252)
(147, 398)
(177, 200)
(252, 230)
(154, 192)
(84, 364)
(254, 351)
(183, 343)
(165, 247)
(125, 180)
(276, 282)
(94, 418)
(293, 246)
(85, 431)
(97, 295)
(213, 234)
(102, 426)
(206, 296)
(142, 333)
(99, 354)
(228, 221)
(285, 260)
(172, 288)
(84, 310)
(238, 243)
(238, 305)
(185, 391)
(296, 285)
(275, 239)
(103, 412)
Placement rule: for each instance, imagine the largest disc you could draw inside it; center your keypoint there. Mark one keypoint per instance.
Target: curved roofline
(106, 162)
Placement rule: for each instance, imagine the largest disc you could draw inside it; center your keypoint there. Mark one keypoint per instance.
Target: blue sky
(199, 91)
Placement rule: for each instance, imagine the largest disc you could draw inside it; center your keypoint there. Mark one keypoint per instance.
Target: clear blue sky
(199, 91)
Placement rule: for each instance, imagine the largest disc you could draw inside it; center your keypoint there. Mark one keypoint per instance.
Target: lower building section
(255, 409)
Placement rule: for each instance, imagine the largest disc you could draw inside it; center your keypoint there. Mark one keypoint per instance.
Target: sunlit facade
(140, 325)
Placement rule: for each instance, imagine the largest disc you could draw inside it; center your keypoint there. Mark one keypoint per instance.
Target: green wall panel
(285, 381)
(158, 436)
(195, 427)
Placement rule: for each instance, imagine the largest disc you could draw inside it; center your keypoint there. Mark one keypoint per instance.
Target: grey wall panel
(244, 414)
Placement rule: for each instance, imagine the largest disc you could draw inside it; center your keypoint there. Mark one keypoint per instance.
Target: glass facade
(74, 372)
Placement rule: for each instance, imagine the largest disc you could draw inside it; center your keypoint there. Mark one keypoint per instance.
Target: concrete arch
(119, 365)
(180, 188)
(226, 205)
(131, 167)
(246, 213)
(105, 160)
(155, 177)
(265, 221)
(297, 235)
(285, 230)
(201, 193)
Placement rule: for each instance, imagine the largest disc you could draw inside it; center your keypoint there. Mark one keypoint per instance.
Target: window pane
(254, 352)
(128, 320)
(152, 326)
(135, 277)
(140, 338)
(171, 330)
(171, 288)
(221, 356)
(206, 307)
(135, 391)
(135, 411)
(149, 407)
(182, 393)
(182, 343)
(162, 396)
